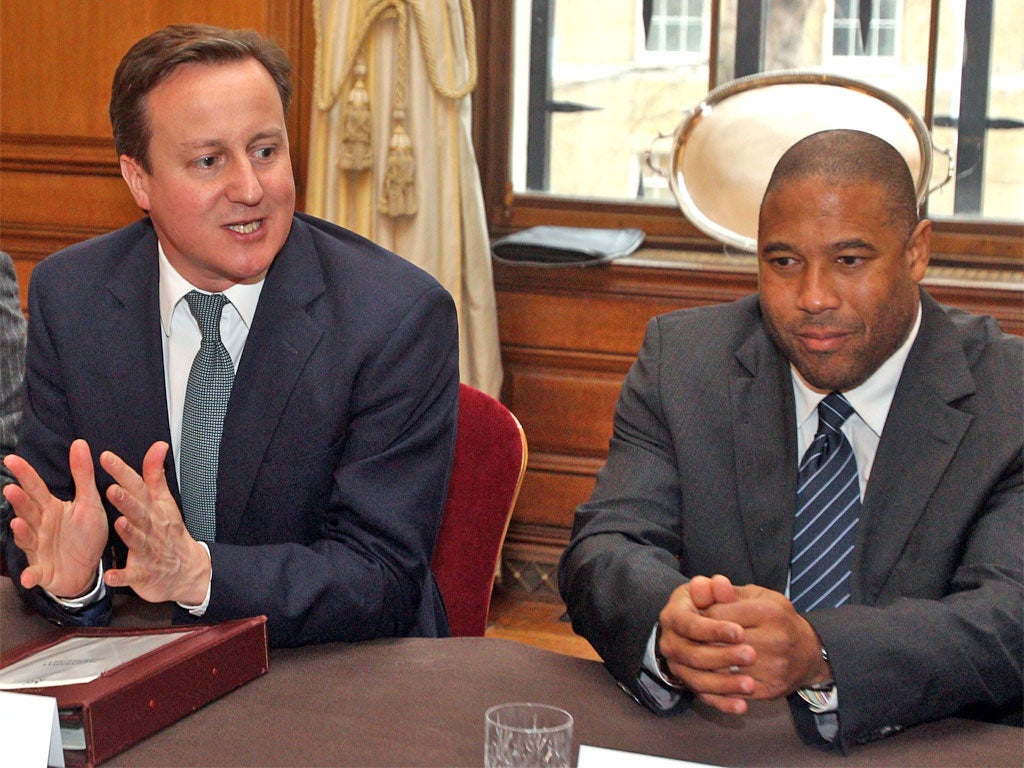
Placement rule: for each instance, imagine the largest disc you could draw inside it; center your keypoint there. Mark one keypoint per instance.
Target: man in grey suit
(682, 567)
(12, 364)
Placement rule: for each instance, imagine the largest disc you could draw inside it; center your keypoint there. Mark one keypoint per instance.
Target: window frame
(648, 56)
(852, 60)
(986, 245)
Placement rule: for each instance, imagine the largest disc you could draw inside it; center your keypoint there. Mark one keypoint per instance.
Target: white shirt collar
(173, 288)
(871, 400)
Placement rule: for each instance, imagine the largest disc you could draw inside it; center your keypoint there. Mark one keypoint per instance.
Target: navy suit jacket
(701, 479)
(337, 441)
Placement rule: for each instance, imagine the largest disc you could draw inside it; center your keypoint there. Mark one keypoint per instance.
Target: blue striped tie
(827, 508)
(202, 418)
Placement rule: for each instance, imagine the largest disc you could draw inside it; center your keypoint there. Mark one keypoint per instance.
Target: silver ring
(734, 669)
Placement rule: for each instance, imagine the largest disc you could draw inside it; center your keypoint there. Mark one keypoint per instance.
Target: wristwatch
(662, 663)
(829, 684)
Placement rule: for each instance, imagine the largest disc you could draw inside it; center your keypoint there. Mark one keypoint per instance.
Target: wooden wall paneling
(566, 411)
(61, 182)
(1005, 303)
(593, 323)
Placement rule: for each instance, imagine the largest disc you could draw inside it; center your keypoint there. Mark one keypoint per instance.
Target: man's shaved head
(842, 157)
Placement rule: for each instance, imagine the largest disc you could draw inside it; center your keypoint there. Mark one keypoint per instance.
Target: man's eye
(783, 261)
(207, 161)
(265, 153)
(849, 261)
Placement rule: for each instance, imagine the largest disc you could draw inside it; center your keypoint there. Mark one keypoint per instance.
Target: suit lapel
(281, 339)
(764, 438)
(133, 353)
(921, 436)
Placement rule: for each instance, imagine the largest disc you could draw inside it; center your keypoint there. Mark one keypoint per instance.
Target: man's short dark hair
(843, 156)
(153, 58)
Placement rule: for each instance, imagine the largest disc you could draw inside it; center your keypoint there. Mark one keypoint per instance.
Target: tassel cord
(379, 9)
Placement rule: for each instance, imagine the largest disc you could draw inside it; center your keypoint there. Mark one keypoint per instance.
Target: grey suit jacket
(701, 479)
(12, 364)
(337, 441)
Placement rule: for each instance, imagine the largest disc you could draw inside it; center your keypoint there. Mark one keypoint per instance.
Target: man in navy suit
(679, 569)
(340, 425)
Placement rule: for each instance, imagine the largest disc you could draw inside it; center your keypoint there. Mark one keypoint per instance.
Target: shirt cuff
(824, 704)
(820, 700)
(200, 609)
(664, 698)
(650, 662)
(91, 597)
(662, 690)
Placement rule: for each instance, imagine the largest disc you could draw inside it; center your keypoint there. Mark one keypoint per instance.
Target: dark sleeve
(366, 573)
(913, 657)
(620, 568)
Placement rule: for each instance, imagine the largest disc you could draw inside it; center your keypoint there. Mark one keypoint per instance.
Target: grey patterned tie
(202, 418)
(828, 506)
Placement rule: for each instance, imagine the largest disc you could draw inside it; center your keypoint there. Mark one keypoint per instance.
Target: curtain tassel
(357, 126)
(398, 195)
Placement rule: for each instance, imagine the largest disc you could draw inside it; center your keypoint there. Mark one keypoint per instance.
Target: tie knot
(206, 309)
(832, 412)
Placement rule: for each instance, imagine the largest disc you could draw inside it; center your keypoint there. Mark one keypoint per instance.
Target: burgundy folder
(139, 697)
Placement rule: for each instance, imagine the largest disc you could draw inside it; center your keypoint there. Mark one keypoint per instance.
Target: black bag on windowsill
(566, 246)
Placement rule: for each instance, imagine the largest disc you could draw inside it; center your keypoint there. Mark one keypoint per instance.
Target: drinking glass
(527, 735)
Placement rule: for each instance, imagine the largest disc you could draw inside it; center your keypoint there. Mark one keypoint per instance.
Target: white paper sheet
(30, 731)
(79, 660)
(599, 757)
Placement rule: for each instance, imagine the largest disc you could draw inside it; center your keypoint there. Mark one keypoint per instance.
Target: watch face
(726, 147)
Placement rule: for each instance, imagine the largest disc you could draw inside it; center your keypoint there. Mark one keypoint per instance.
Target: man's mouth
(821, 340)
(246, 229)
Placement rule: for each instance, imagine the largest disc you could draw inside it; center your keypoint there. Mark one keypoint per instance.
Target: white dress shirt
(182, 336)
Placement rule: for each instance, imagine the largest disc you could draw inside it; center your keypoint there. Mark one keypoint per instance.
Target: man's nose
(245, 186)
(818, 290)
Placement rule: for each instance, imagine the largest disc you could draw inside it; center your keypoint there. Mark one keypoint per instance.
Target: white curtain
(391, 154)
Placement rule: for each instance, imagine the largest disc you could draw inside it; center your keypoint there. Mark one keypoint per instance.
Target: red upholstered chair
(490, 460)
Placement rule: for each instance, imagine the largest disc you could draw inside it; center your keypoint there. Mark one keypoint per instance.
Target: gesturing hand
(164, 561)
(62, 540)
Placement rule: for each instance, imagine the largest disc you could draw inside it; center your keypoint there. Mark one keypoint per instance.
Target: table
(421, 702)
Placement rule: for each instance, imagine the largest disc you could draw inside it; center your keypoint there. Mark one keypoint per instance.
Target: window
(675, 25)
(588, 103)
(847, 33)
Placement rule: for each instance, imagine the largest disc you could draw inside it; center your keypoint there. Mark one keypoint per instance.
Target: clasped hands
(729, 644)
(64, 540)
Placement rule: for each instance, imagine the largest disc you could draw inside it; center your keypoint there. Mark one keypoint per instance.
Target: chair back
(487, 471)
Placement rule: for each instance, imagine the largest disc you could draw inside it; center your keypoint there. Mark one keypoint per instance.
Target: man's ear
(137, 180)
(918, 250)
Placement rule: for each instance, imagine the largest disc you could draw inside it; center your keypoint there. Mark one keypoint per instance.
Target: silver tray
(725, 148)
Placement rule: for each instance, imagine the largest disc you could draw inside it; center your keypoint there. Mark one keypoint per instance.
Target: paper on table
(30, 731)
(79, 660)
(599, 757)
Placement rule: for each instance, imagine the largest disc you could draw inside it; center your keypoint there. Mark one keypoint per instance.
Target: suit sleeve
(365, 573)
(915, 656)
(619, 568)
